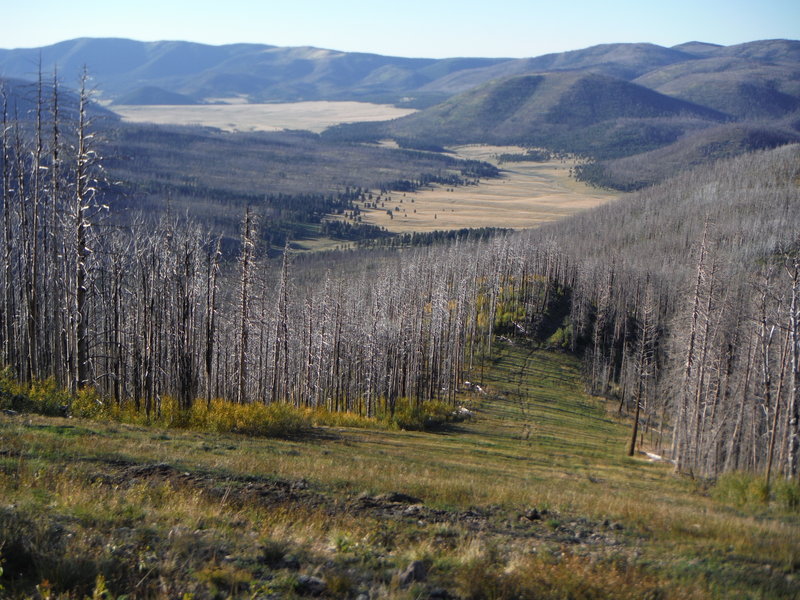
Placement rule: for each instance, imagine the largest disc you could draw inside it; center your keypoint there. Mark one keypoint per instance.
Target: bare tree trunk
(82, 199)
(245, 265)
(776, 413)
(794, 391)
(679, 435)
(211, 317)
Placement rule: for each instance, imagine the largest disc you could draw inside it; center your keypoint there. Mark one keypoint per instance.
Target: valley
(229, 115)
(525, 194)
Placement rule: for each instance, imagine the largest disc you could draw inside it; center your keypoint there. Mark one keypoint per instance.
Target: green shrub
(748, 489)
(787, 494)
(43, 397)
(737, 489)
(562, 338)
(321, 416)
(421, 416)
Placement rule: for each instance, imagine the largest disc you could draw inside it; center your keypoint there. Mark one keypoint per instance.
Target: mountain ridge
(606, 102)
(267, 73)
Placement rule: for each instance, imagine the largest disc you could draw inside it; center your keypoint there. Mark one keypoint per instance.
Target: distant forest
(293, 180)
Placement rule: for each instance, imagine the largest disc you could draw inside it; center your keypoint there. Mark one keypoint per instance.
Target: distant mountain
(188, 72)
(21, 99)
(742, 87)
(258, 73)
(575, 111)
(606, 102)
(696, 101)
(624, 61)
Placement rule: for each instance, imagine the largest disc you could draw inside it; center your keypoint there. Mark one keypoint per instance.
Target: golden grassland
(526, 195)
(154, 512)
(236, 116)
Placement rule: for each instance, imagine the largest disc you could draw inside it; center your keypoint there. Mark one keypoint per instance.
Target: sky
(410, 28)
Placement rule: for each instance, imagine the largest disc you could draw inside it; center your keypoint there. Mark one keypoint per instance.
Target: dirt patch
(299, 494)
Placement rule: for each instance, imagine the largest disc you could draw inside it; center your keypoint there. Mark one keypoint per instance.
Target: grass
(527, 195)
(166, 512)
(311, 116)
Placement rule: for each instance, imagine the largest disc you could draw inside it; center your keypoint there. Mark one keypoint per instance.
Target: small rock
(416, 571)
(362, 596)
(308, 584)
(9, 412)
(367, 501)
(412, 510)
(532, 515)
(399, 498)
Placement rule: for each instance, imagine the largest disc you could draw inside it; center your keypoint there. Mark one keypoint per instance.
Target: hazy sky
(427, 28)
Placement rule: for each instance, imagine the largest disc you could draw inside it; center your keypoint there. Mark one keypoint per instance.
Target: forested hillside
(292, 180)
(683, 301)
(685, 298)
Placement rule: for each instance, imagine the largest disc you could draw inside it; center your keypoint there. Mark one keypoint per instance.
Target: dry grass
(536, 441)
(311, 116)
(526, 195)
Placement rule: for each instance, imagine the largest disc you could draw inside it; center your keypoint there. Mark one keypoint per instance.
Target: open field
(527, 194)
(311, 116)
(531, 498)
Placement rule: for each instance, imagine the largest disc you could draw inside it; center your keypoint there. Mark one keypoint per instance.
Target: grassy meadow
(532, 496)
(526, 194)
(230, 115)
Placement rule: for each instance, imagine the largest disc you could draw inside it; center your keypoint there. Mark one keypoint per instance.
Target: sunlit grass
(535, 440)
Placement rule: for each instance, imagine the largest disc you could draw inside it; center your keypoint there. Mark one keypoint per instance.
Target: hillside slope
(257, 72)
(575, 111)
(742, 87)
(531, 498)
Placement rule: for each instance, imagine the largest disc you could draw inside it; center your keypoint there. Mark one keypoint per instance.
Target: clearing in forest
(526, 194)
(234, 116)
(532, 497)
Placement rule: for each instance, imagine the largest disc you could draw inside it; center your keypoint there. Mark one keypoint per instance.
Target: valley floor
(233, 115)
(531, 497)
(526, 194)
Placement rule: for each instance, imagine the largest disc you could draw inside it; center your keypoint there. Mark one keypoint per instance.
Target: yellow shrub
(253, 419)
(88, 403)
